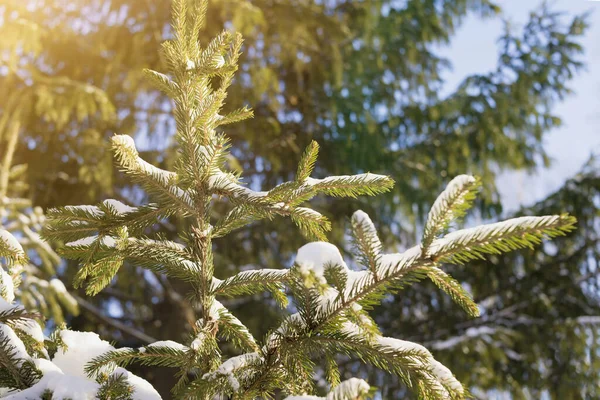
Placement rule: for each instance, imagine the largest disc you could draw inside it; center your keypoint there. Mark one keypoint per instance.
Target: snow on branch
(232, 370)
(351, 389)
(158, 182)
(326, 310)
(230, 328)
(497, 238)
(443, 380)
(64, 374)
(451, 205)
(365, 237)
(10, 248)
(351, 185)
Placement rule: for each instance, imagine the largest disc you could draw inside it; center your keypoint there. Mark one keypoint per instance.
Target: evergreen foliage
(297, 61)
(30, 92)
(35, 367)
(351, 75)
(45, 102)
(330, 300)
(34, 279)
(548, 293)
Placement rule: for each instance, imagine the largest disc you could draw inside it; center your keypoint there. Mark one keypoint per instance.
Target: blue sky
(474, 49)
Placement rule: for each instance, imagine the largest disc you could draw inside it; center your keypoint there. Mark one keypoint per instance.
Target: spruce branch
(16, 314)
(236, 116)
(161, 82)
(307, 162)
(351, 185)
(11, 249)
(232, 329)
(311, 223)
(17, 371)
(157, 182)
(115, 387)
(450, 206)
(453, 288)
(319, 311)
(162, 256)
(251, 282)
(351, 389)
(501, 237)
(160, 354)
(332, 371)
(366, 239)
(228, 374)
(238, 217)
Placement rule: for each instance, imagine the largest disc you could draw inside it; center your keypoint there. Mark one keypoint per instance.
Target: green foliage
(343, 45)
(451, 205)
(523, 295)
(307, 162)
(331, 320)
(15, 372)
(451, 286)
(115, 388)
(189, 191)
(161, 356)
(250, 282)
(33, 283)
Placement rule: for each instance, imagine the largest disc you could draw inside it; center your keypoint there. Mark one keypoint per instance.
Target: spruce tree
(330, 301)
(311, 70)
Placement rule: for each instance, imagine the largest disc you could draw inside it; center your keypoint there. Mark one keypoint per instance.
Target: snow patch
(316, 256)
(88, 241)
(82, 347)
(169, 344)
(31, 328)
(232, 365)
(7, 286)
(362, 219)
(17, 344)
(352, 388)
(11, 242)
(58, 285)
(62, 387)
(142, 389)
(119, 207)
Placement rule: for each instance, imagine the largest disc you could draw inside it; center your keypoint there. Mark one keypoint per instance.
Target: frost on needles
(330, 302)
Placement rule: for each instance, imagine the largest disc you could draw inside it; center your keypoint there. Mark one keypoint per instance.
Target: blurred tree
(61, 112)
(355, 76)
(29, 94)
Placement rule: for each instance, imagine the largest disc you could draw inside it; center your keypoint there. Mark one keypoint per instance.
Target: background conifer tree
(29, 92)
